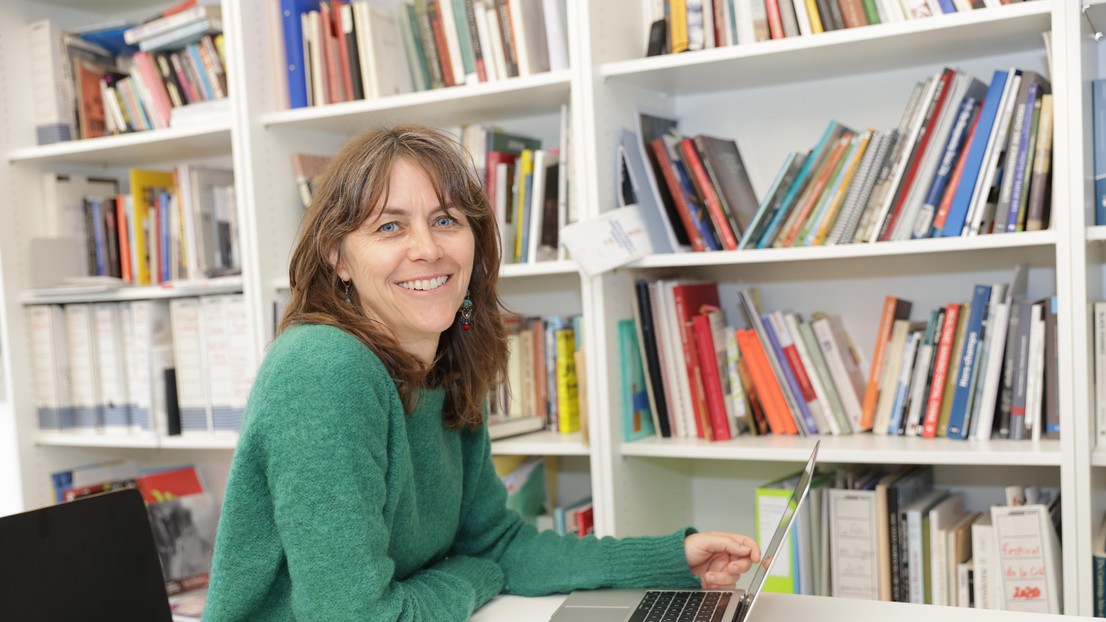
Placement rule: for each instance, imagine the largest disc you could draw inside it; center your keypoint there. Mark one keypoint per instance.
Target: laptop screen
(768, 553)
(93, 558)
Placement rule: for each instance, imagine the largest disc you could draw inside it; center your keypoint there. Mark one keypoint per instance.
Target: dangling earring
(345, 292)
(466, 311)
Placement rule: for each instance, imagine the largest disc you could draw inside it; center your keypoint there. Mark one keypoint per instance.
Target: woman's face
(410, 262)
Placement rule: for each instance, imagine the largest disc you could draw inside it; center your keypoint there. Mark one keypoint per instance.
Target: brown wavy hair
(354, 185)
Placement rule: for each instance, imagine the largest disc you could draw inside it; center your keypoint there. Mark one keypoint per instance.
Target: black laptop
(89, 559)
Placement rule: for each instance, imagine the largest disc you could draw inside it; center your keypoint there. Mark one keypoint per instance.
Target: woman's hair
(351, 189)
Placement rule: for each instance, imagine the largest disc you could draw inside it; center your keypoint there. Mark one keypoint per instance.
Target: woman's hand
(719, 558)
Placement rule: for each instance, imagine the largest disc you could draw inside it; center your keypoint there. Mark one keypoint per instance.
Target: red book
(123, 229)
(435, 15)
(712, 377)
(893, 309)
(166, 485)
(793, 360)
(703, 426)
(940, 371)
(688, 300)
(768, 388)
(342, 49)
(668, 171)
(706, 192)
(775, 20)
(917, 154)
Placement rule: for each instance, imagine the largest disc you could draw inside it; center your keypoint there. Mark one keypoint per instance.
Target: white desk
(789, 607)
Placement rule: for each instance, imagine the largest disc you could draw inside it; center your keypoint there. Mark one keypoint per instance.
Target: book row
(527, 480)
(144, 367)
(94, 83)
(152, 227)
(875, 533)
(182, 510)
(965, 159)
(527, 187)
(338, 50)
(980, 368)
(689, 25)
(544, 375)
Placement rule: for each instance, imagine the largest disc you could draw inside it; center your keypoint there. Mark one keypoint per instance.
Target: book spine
(940, 371)
(969, 359)
(712, 379)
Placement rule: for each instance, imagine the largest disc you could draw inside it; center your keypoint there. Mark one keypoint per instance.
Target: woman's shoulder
(321, 349)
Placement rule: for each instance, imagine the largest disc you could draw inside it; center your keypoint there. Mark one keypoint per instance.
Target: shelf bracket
(1086, 15)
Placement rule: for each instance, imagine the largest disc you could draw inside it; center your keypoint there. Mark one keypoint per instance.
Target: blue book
(902, 386)
(789, 376)
(95, 220)
(825, 144)
(290, 11)
(957, 136)
(1098, 107)
(947, 6)
(958, 211)
(779, 186)
(969, 357)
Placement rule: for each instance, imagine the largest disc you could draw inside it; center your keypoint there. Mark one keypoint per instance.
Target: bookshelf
(772, 97)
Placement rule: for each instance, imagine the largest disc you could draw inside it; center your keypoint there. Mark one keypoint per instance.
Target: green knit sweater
(341, 507)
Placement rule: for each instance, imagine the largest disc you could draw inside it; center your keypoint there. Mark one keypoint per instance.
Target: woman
(362, 487)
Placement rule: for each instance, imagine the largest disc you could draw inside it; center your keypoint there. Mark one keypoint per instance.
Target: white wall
(11, 491)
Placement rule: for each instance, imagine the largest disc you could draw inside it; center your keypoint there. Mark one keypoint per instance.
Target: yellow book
(525, 174)
(677, 32)
(143, 184)
(815, 18)
(568, 405)
(842, 191)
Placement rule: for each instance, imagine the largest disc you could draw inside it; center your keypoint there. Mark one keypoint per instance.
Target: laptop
(89, 559)
(698, 605)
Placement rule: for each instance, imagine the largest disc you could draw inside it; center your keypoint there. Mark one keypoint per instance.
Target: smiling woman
(362, 486)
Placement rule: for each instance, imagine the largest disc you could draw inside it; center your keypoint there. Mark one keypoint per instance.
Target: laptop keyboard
(681, 606)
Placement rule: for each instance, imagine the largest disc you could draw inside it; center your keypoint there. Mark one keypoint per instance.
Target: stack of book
(171, 226)
(542, 389)
(337, 50)
(143, 367)
(116, 79)
(689, 25)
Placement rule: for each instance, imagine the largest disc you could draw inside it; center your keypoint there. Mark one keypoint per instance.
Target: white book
(46, 325)
(984, 563)
(318, 90)
(529, 31)
(743, 22)
(677, 385)
(190, 359)
(452, 41)
(889, 378)
(147, 337)
(111, 368)
(544, 216)
(913, 516)
(1034, 387)
(802, 17)
(992, 374)
(825, 418)
(941, 517)
(836, 362)
(389, 73)
(492, 69)
(217, 364)
(986, 348)
(854, 568)
(1028, 555)
(496, 41)
(55, 119)
(555, 13)
(964, 571)
(243, 354)
(83, 372)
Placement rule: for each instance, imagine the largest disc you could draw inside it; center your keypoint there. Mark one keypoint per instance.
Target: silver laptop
(697, 605)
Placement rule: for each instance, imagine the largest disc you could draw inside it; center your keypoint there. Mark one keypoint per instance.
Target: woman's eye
(389, 227)
(444, 221)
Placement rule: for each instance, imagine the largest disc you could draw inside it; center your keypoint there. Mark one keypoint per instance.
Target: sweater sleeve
(538, 563)
(325, 460)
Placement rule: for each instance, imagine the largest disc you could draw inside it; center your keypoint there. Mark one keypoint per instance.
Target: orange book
(697, 382)
(123, 231)
(758, 423)
(893, 309)
(768, 388)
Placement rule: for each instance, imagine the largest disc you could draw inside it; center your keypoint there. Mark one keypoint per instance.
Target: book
(853, 561)
(1028, 555)
(941, 516)
(725, 167)
(1098, 319)
(1098, 558)
(647, 339)
(727, 234)
(894, 308)
(1040, 180)
(718, 418)
(637, 418)
(1098, 126)
(183, 515)
(969, 355)
(843, 366)
(917, 537)
(687, 300)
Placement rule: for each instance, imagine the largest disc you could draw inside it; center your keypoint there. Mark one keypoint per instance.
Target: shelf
(934, 40)
(1034, 239)
(545, 443)
(542, 268)
(149, 148)
(489, 101)
(94, 293)
(125, 441)
(855, 448)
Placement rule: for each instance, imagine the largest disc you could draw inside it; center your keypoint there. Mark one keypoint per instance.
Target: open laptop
(89, 559)
(708, 605)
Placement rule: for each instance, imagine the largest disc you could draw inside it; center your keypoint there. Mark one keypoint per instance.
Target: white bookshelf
(772, 97)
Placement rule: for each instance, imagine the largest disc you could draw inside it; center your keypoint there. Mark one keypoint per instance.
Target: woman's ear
(337, 263)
